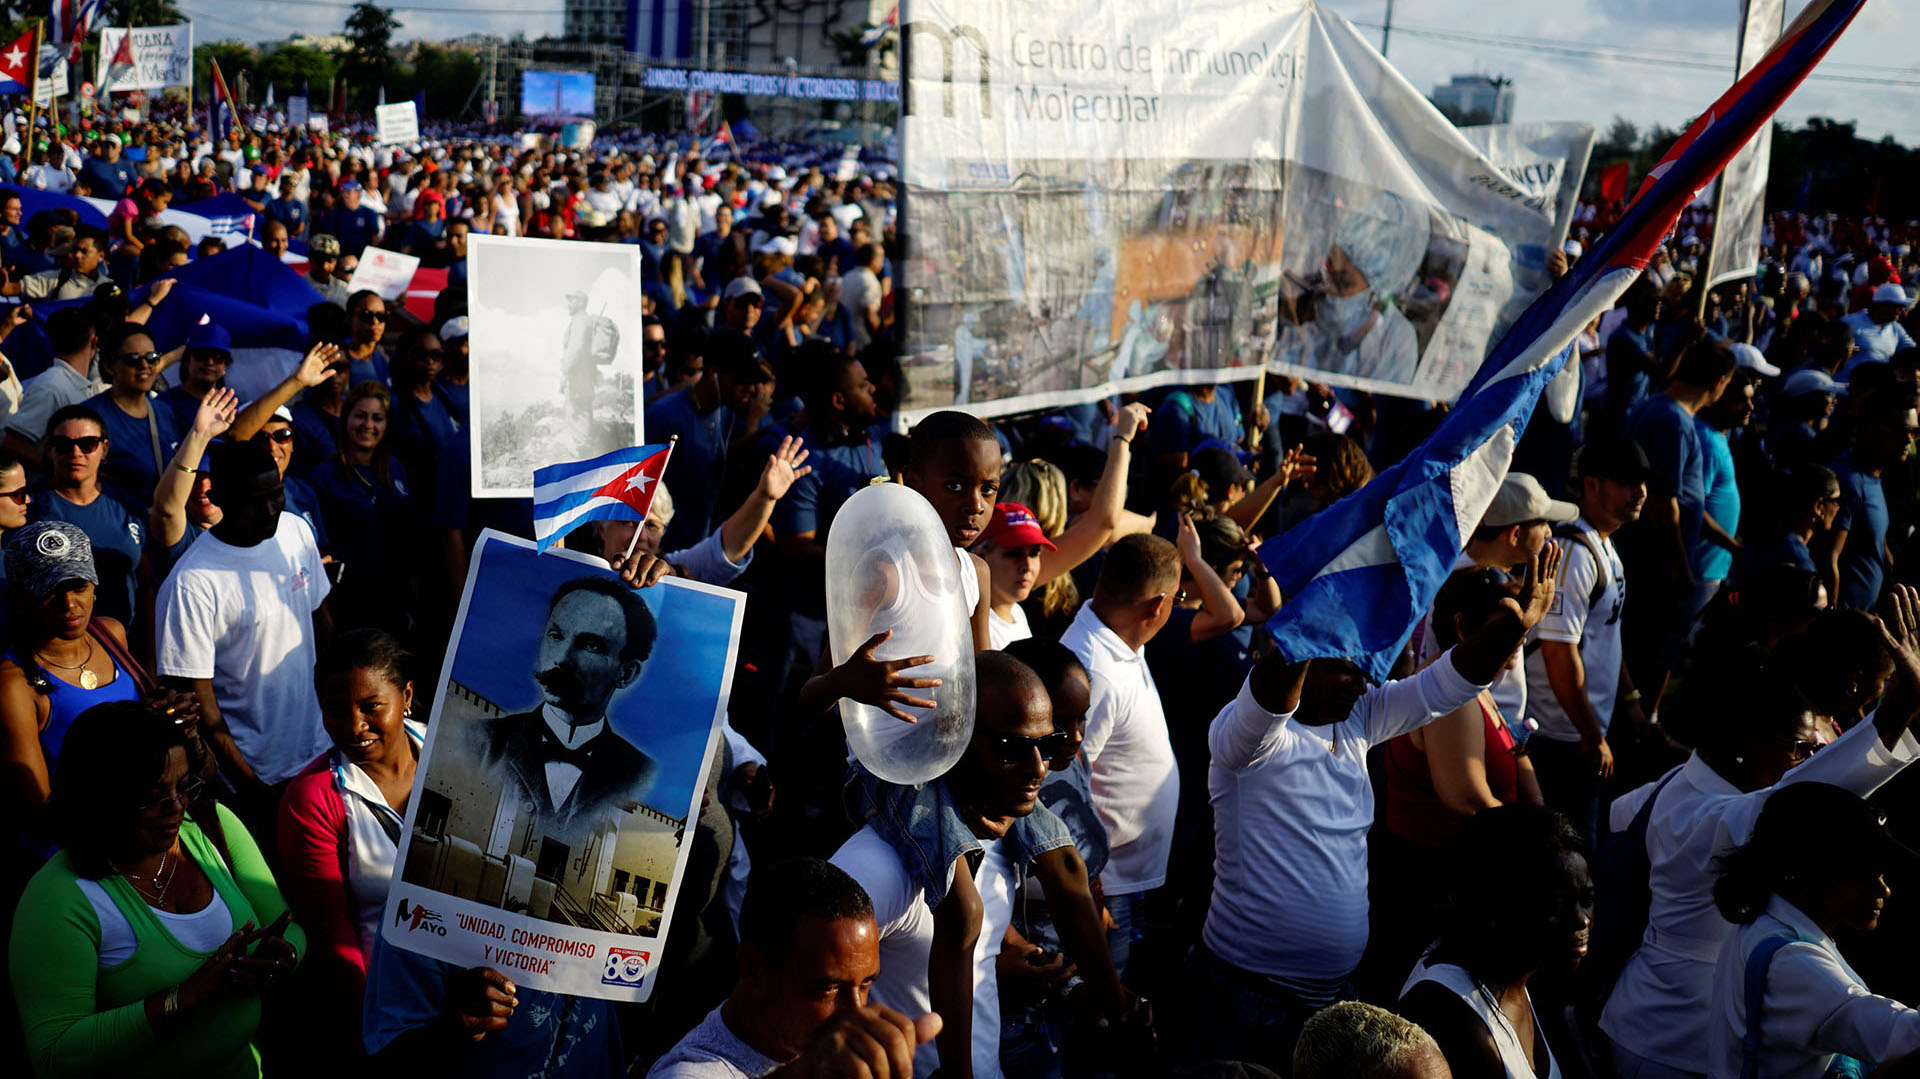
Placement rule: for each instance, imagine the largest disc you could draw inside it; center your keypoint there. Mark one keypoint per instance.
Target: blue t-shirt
(289, 212)
(1712, 562)
(458, 397)
(840, 466)
(1629, 353)
(454, 507)
(372, 369)
(699, 463)
(130, 471)
(369, 523)
(1863, 515)
(164, 560)
(118, 540)
(303, 501)
(355, 229)
(183, 406)
(419, 431)
(1183, 421)
(108, 178)
(1786, 549)
(1668, 434)
(314, 435)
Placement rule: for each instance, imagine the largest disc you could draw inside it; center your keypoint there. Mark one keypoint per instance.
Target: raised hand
(1187, 541)
(1298, 464)
(787, 464)
(216, 412)
(315, 367)
(158, 291)
(1131, 421)
(1899, 623)
(878, 683)
(1537, 587)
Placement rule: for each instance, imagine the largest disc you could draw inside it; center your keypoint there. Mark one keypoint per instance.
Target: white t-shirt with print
(906, 939)
(1597, 631)
(243, 617)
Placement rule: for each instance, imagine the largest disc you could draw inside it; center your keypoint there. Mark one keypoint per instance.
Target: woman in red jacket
(341, 819)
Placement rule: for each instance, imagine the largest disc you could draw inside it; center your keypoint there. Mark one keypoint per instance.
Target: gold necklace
(88, 679)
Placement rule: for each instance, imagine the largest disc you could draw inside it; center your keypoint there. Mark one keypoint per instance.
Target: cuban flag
(617, 486)
(721, 145)
(72, 21)
(1359, 574)
(16, 68)
(221, 112)
(874, 33)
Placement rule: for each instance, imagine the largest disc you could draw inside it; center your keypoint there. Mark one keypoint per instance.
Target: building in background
(1475, 99)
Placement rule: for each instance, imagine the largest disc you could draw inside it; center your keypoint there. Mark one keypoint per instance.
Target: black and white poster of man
(555, 356)
(563, 765)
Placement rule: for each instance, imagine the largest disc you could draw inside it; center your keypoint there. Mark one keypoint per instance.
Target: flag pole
(33, 88)
(672, 441)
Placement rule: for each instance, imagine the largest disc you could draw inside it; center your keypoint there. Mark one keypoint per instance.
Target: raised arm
(740, 531)
(1220, 612)
(1094, 529)
(210, 420)
(1480, 657)
(315, 368)
(1296, 465)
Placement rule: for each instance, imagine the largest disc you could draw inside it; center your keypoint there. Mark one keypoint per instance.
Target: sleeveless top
(1457, 981)
(66, 700)
(1414, 810)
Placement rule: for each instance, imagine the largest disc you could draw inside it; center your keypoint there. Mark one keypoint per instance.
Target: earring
(1739, 760)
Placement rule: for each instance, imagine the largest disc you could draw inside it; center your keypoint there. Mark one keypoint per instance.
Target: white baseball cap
(1751, 358)
(1521, 499)
(1890, 293)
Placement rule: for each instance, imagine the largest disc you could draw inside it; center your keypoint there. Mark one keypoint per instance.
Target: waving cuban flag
(873, 34)
(1360, 573)
(222, 114)
(617, 486)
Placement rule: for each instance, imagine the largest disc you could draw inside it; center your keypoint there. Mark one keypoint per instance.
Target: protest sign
(556, 373)
(385, 272)
(145, 58)
(1743, 187)
(297, 110)
(318, 122)
(1548, 161)
(1184, 191)
(564, 880)
(397, 123)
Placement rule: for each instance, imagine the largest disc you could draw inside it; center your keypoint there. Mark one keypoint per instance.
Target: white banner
(52, 82)
(1549, 161)
(385, 272)
(1176, 191)
(397, 123)
(569, 889)
(145, 58)
(1743, 187)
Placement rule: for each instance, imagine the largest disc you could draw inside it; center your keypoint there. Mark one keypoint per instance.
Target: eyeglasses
(188, 794)
(1799, 749)
(1018, 749)
(140, 359)
(84, 444)
(279, 434)
(19, 495)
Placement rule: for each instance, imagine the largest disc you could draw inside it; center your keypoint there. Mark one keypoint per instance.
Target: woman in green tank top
(142, 947)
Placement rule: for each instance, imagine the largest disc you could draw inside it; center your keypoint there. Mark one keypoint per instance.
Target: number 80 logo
(625, 966)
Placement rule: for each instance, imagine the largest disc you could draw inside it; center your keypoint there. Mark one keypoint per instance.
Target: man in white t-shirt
(861, 293)
(809, 955)
(239, 621)
(998, 779)
(1129, 752)
(1575, 673)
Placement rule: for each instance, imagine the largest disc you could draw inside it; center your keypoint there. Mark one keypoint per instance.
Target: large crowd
(1628, 806)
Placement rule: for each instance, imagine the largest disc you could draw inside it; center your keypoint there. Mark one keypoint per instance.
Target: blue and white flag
(617, 486)
(1359, 574)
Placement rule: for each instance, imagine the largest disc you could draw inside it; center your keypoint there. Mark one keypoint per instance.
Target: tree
(1620, 141)
(369, 60)
(233, 56)
(148, 13)
(294, 67)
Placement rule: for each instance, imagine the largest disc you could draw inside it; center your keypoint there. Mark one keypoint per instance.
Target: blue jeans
(1030, 1048)
(1129, 926)
(1244, 1016)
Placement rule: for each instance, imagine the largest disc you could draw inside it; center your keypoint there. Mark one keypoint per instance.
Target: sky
(1874, 72)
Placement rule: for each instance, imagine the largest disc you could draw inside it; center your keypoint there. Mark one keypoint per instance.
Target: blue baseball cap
(210, 336)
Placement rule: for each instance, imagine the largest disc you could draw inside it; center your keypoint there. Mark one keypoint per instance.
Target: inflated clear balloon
(890, 566)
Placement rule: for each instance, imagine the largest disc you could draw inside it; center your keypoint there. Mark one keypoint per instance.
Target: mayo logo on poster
(625, 966)
(418, 916)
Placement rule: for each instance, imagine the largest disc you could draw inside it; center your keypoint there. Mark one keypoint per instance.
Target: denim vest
(923, 824)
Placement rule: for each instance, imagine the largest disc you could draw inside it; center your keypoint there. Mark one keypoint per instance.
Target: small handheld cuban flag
(16, 66)
(1358, 574)
(618, 486)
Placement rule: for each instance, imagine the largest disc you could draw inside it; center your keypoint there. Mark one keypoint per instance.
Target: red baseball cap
(1014, 525)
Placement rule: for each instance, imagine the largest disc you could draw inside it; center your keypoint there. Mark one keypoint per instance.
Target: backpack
(1621, 878)
(1601, 579)
(605, 344)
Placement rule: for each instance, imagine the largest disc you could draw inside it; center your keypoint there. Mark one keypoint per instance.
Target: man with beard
(565, 758)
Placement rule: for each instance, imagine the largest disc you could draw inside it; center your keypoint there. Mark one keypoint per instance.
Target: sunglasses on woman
(19, 495)
(279, 434)
(1018, 749)
(85, 443)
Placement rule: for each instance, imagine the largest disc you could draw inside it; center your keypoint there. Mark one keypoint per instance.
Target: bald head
(1011, 695)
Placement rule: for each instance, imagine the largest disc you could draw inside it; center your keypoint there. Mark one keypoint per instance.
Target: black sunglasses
(374, 316)
(1018, 749)
(20, 495)
(85, 443)
(279, 434)
(142, 359)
